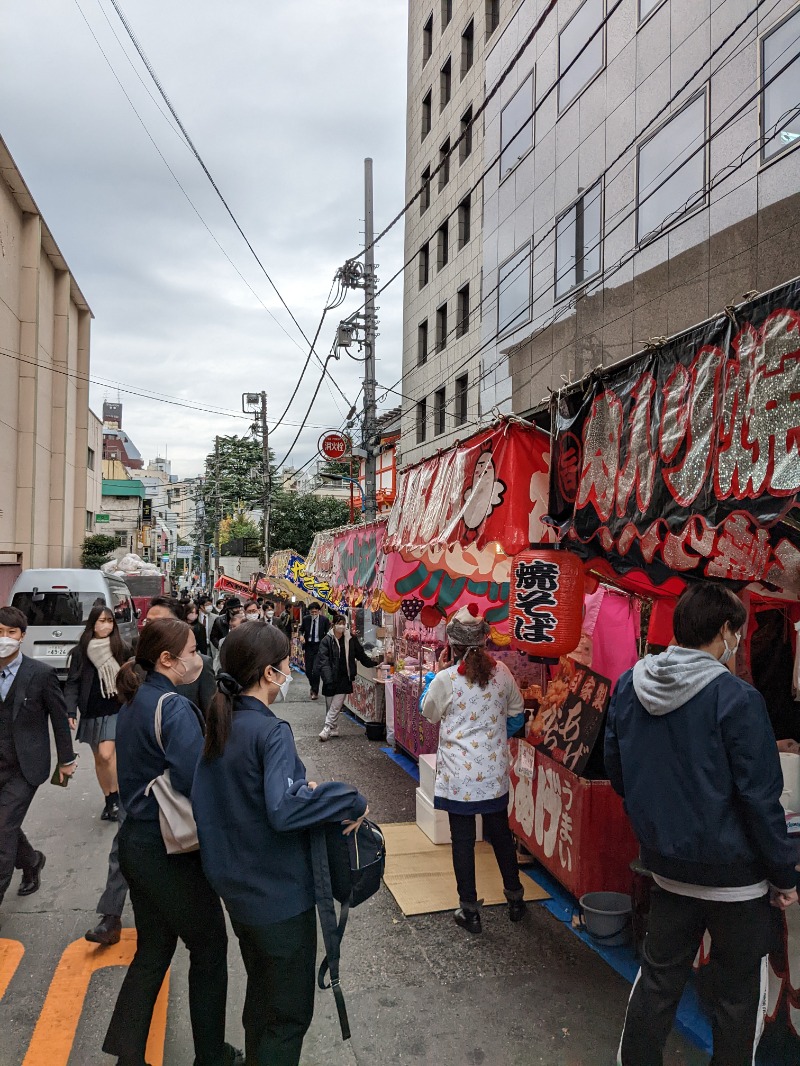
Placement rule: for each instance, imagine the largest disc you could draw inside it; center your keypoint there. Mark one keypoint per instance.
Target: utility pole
(370, 330)
(265, 475)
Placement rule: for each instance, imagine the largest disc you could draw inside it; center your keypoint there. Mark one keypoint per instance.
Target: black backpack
(347, 869)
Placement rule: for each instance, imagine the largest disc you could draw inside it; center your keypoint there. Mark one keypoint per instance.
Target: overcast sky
(283, 99)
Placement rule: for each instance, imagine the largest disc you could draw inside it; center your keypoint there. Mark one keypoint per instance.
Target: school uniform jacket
(36, 697)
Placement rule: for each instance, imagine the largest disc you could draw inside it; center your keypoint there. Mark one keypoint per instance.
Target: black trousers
(171, 899)
(496, 831)
(280, 961)
(312, 674)
(742, 935)
(16, 796)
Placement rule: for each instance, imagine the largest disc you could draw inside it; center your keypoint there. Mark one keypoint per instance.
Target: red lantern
(546, 602)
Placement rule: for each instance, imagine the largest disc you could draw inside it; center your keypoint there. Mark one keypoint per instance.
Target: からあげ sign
(546, 605)
(570, 715)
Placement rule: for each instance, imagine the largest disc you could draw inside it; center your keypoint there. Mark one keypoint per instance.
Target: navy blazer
(37, 696)
(323, 625)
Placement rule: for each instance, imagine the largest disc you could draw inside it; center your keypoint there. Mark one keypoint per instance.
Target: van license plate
(57, 649)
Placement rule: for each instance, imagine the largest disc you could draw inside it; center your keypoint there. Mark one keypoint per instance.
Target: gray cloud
(283, 101)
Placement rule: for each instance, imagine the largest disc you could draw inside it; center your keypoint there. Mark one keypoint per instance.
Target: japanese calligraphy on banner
(319, 561)
(288, 571)
(688, 459)
(570, 716)
(358, 557)
(546, 602)
(492, 489)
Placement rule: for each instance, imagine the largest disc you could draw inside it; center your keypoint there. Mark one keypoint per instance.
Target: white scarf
(102, 658)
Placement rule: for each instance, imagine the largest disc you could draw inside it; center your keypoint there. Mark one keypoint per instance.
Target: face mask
(270, 614)
(252, 616)
(284, 688)
(192, 672)
(729, 652)
(8, 647)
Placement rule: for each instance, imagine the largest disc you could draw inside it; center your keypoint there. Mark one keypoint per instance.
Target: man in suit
(29, 695)
(312, 629)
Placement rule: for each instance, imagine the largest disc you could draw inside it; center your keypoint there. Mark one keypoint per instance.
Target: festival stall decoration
(231, 585)
(287, 572)
(546, 602)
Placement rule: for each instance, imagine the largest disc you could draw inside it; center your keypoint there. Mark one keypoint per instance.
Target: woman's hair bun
(227, 684)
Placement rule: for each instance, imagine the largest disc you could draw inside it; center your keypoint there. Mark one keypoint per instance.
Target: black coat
(323, 626)
(220, 629)
(200, 635)
(334, 683)
(79, 680)
(36, 696)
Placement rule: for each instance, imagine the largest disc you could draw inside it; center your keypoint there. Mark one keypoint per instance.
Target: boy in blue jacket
(690, 748)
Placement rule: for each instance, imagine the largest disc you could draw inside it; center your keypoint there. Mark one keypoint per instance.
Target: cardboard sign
(570, 716)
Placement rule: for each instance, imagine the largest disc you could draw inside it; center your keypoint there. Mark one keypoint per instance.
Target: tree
(297, 516)
(96, 550)
(232, 482)
(239, 535)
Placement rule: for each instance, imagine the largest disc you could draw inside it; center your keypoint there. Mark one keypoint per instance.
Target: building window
(647, 7)
(447, 12)
(665, 190)
(426, 114)
(89, 521)
(461, 400)
(425, 191)
(516, 127)
(578, 239)
(514, 291)
(90, 458)
(445, 84)
(427, 39)
(422, 343)
(468, 48)
(462, 311)
(438, 411)
(424, 264)
(444, 164)
(780, 106)
(441, 327)
(583, 59)
(492, 16)
(422, 420)
(465, 141)
(464, 211)
(443, 245)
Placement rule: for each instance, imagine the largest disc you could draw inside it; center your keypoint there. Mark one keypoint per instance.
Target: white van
(57, 605)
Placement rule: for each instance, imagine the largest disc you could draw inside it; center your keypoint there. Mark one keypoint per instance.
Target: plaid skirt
(93, 731)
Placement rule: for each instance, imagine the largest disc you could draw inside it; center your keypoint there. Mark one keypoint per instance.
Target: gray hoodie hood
(667, 681)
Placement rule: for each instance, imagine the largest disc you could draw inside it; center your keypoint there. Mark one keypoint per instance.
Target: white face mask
(252, 616)
(269, 614)
(729, 652)
(284, 688)
(8, 647)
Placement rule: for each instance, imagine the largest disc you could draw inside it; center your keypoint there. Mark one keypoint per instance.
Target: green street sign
(102, 518)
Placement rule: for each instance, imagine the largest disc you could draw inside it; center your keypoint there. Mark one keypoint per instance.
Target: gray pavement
(419, 990)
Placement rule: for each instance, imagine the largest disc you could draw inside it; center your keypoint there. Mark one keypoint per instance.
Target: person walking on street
(192, 616)
(29, 696)
(200, 692)
(252, 612)
(336, 663)
(313, 630)
(477, 704)
(690, 748)
(91, 688)
(170, 895)
(253, 806)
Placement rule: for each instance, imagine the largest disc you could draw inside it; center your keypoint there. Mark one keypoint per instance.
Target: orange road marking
(55, 1030)
(11, 952)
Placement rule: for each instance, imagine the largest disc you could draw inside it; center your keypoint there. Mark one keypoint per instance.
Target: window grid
(462, 386)
(467, 48)
(586, 65)
(447, 13)
(424, 264)
(427, 104)
(441, 327)
(465, 141)
(425, 195)
(444, 164)
(422, 420)
(782, 97)
(443, 246)
(422, 343)
(516, 127)
(446, 83)
(464, 221)
(427, 40)
(462, 313)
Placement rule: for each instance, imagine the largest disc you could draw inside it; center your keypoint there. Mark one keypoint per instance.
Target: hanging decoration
(546, 602)
(411, 607)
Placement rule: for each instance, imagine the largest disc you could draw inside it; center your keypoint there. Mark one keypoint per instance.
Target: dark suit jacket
(323, 625)
(37, 696)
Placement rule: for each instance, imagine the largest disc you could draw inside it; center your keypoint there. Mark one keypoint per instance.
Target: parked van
(57, 605)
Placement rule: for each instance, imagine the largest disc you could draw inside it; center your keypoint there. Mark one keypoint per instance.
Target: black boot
(111, 810)
(468, 916)
(107, 931)
(516, 904)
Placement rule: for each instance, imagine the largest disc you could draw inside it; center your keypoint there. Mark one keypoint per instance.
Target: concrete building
(447, 45)
(50, 442)
(116, 442)
(122, 502)
(647, 175)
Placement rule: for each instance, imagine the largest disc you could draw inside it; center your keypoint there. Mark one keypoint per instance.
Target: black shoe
(107, 931)
(231, 1056)
(469, 920)
(517, 908)
(32, 878)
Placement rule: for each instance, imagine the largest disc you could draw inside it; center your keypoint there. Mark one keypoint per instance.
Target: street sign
(184, 551)
(333, 445)
(164, 558)
(102, 518)
(147, 511)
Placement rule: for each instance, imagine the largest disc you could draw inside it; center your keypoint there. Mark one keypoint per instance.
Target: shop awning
(489, 490)
(349, 558)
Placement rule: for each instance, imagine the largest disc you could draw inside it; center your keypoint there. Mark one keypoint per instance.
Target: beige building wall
(460, 356)
(47, 491)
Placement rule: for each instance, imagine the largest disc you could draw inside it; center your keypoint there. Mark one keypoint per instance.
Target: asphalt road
(419, 990)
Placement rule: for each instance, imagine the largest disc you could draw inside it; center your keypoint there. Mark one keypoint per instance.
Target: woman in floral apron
(475, 699)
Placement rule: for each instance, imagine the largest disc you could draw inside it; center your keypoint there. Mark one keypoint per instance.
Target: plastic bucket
(607, 916)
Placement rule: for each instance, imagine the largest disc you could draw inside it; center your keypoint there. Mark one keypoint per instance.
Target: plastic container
(376, 730)
(607, 916)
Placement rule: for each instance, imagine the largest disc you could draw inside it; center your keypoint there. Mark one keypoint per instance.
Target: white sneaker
(326, 732)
